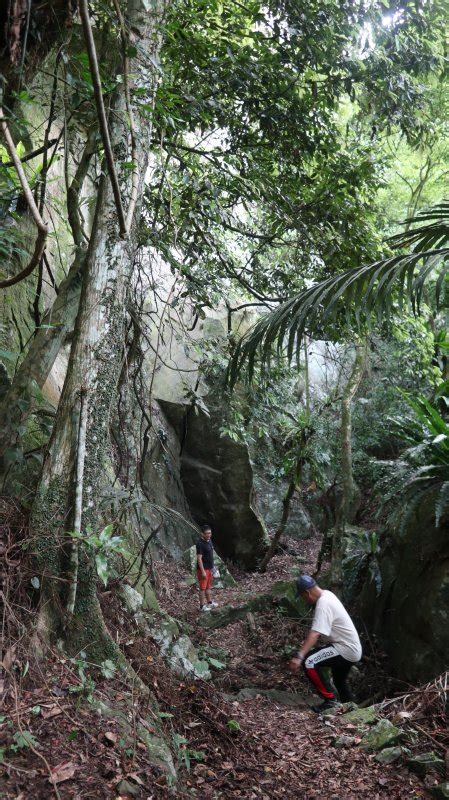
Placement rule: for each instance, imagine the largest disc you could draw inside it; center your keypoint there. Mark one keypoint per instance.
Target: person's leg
(202, 583)
(209, 585)
(340, 671)
(315, 666)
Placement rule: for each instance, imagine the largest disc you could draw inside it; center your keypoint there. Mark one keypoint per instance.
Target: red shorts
(206, 582)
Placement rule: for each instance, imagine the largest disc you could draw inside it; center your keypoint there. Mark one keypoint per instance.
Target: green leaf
(216, 664)
(102, 567)
(233, 725)
(108, 668)
(198, 755)
(25, 739)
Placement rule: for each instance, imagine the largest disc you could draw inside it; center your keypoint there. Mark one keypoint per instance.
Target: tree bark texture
(94, 366)
(20, 399)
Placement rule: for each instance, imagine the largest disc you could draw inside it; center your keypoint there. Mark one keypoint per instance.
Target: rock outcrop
(269, 500)
(217, 479)
(411, 613)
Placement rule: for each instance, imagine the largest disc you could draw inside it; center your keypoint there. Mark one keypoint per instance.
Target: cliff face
(411, 614)
(217, 480)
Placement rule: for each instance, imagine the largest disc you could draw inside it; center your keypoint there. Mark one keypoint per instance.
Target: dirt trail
(227, 747)
(279, 751)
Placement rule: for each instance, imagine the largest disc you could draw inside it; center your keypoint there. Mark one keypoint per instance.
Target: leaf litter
(269, 750)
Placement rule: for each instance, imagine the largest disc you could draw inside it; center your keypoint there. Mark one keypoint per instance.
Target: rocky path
(247, 733)
(277, 750)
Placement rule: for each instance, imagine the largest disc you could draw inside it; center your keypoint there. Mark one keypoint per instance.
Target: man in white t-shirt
(343, 648)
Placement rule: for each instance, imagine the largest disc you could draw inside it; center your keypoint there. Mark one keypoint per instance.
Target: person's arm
(309, 642)
(199, 561)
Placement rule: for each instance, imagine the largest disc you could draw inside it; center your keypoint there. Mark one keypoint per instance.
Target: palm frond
(356, 296)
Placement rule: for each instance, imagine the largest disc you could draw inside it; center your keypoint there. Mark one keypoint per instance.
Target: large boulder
(164, 488)
(217, 478)
(411, 611)
(269, 501)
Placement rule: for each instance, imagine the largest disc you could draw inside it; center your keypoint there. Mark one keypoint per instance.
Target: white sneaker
(213, 604)
(205, 608)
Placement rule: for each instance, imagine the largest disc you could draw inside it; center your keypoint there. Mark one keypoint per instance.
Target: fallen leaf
(401, 716)
(57, 692)
(63, 772)
(110, 737)
(9, 658)
(136, 778)
(50, 711)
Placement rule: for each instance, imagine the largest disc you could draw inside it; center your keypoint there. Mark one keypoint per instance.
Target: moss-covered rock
(383, 734)
(279, 696)
(362, 716)
(282, 597)
(175, 646)
(344, 741)
(389, 755)
(424, 763)
(411, 613)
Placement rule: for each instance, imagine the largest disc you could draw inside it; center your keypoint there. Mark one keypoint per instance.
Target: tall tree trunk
(20, 399)
(350, 491)
(94, 370)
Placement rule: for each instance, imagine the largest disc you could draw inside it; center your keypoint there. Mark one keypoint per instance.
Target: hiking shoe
(326, 705)
(213, 604)
(205, 608)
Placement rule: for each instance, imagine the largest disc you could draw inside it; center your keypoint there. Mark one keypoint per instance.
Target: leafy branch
(42, 229)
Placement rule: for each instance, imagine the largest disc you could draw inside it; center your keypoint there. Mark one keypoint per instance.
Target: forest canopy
(224, 239)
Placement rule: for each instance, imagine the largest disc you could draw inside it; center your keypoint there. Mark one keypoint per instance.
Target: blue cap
(304, 583)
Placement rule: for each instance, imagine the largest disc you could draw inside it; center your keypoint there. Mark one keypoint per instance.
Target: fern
(422, 474)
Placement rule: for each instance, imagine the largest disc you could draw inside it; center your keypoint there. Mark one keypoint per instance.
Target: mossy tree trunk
(94, 368)
(21, 398)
